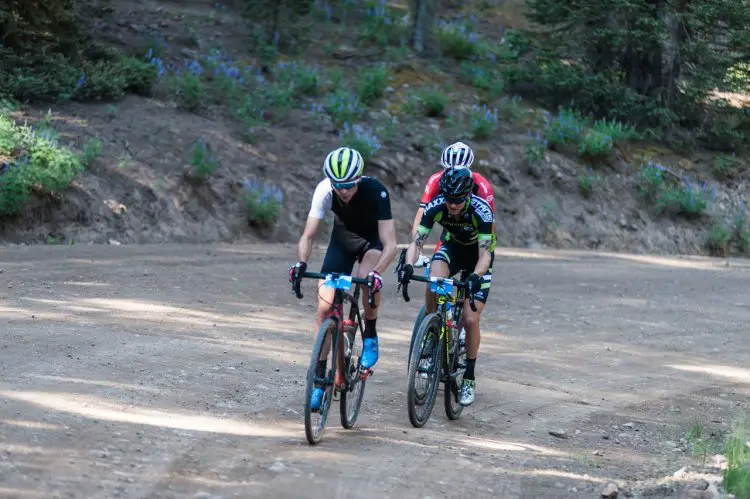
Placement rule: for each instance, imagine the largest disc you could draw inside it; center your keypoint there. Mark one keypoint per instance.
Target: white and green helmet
(343, 165)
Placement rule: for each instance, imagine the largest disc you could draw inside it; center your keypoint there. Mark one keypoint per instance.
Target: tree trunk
(422, 38)
(670, 56)
(671, 63)
(655, 72)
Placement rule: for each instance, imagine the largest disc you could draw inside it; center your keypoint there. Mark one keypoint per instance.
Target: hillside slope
(142, 187)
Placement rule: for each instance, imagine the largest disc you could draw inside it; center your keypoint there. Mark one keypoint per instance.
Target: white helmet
(458, 156)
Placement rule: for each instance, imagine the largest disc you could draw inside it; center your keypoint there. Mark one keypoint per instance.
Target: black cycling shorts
(464, 258)
(344, 248)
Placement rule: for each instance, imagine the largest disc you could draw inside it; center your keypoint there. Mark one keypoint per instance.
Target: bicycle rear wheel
(323, 350)
(425, 366)
(352, 395)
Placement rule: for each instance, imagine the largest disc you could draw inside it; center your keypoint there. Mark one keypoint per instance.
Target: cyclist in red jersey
(458, 155)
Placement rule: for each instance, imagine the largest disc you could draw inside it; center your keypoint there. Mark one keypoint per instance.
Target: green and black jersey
(473, 225)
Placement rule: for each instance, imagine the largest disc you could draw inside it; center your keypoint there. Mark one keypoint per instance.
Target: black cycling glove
(473, 283)
(405, 273)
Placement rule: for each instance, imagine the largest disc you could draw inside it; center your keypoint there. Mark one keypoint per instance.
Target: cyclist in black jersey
(467, 243)
(363, 231)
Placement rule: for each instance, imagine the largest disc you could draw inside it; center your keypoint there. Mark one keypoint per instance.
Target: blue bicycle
(336, 372)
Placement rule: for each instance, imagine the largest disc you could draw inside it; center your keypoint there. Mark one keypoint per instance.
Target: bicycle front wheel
(425, 365)
(320, 374)
(415, 330)
(452, 388)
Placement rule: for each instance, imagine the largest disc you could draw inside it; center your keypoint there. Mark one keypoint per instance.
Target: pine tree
(672, 53)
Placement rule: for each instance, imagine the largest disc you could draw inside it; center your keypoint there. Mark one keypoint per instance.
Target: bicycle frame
(446, 302)
(341, 297)
(437, 286)
(449, 308)
(342, 284)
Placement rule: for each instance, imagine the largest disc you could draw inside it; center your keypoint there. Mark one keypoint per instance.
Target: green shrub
(48, 54)
(594, 141)
(372, 84)
(434, 102)
(102, 81)
(484, 122)
(674, 196)
(344, 107)
(249, 109)
(31, 162)
(141, 76)
(688, 199)
(534, 148)
(55, 78)
(278, 96)
(427, 101)
(382, 26)
(587, 182)
(564, 128)
(36, 78)
(203, 159)
(651, 180)
(91, 151)
(189, 88)
(594, 144)
(335, 79)
(302, 78)
(486, 79)
(510, 109)
(360, 138)
(725, 166)
(458, 39)
(619, 132)
(412, 104)
(718, 239)
(737, 452)
(263, 202)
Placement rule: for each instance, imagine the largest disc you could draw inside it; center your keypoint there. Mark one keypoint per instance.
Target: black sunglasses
(457, 200)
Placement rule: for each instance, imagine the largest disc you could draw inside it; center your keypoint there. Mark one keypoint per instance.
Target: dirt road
(178, 371)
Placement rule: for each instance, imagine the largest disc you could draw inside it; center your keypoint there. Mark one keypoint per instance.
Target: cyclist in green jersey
(467, 244)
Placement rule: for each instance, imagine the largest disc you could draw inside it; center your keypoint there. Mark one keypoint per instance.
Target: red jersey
(482, 188)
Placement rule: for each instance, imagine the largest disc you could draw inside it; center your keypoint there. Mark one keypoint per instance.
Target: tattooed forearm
(485, 258)
(419, 239)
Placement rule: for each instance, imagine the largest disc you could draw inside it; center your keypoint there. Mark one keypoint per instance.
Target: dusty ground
(177, 371)
(139, 189)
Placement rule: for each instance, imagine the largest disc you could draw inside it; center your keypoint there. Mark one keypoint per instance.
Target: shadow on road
(172, 371)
